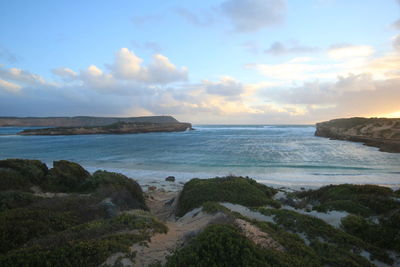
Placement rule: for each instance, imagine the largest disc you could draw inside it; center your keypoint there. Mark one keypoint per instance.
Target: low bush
(237, 190)
(365, 200)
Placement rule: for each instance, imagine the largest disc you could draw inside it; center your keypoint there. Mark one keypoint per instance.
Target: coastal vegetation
(64, 216)
(233, 189)
(383, 133)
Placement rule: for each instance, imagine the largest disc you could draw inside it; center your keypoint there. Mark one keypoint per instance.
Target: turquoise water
(282, 155)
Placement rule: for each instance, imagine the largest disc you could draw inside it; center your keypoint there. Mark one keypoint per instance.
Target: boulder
(170, 179)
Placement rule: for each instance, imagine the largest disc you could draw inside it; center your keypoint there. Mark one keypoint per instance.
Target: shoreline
(158, 180)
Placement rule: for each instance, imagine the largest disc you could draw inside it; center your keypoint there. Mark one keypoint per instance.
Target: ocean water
(284, 155)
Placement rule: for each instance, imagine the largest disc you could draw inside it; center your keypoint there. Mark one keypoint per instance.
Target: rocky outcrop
(383, 133)
(116, 128)
(80, 121)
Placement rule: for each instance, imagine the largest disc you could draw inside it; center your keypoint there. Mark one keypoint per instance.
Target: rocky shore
(66, 216)
(383, 133)
(116, 128)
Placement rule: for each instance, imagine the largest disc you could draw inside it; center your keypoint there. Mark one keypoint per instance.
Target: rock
(110, 208)
(170, 179)
(152, 188)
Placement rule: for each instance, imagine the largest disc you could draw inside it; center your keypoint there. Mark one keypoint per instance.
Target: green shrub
(386, 234)
(365, 200)
(317, 231)
(124, 192)
(66, 176)
(16, 199)
(18, 226)
(33, 171)
(237, 190)
(220, 245)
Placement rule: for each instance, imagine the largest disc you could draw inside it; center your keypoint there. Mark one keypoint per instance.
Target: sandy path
(162, 204)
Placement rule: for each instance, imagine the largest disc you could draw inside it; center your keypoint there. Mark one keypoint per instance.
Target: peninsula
(383, 133)
(115, 128)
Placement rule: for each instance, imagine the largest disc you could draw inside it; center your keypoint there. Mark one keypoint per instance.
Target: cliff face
(378, 132)
(80, 121)
(116, 128)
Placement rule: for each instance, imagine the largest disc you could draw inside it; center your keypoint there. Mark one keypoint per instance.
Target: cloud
(300, 68)
(352, 95)
(21, 76)
(396, 42)
(9, 86)
(227, 86)
(396, 24)
(253, 15)
(65, 73)
(162, 71)
(278, 48)
(128, 66)
(345, 51)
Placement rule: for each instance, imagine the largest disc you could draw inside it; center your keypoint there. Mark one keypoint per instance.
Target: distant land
(115, 128)
(80, 121)
(383, 133)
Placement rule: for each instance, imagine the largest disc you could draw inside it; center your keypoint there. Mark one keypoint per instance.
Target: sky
(205, 62)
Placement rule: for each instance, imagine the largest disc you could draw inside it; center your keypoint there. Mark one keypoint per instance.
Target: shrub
(219, 245)
(124, 192)
(33, 171)
(340, 245)
(16, 199)
(231, 189)
(365, 200)
(66, 176)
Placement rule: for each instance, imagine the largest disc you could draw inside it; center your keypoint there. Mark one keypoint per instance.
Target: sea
(278, 155)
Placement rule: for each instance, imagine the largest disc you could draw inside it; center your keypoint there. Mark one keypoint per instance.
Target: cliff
(383, 133)
(115, 128)
(79, 121)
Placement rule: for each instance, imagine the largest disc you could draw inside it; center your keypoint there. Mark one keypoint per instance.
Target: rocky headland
(66, 216)
(383, 133)
(115, 128)
(80, 121)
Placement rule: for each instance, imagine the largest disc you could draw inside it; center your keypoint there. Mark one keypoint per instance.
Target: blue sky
(230, 61)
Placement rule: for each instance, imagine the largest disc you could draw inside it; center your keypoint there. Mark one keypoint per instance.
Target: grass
(237, 190)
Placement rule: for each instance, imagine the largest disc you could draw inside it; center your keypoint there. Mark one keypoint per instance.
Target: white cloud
(227, 86)
(21, 76)
(65, 73)
(95, 79)
(340, 52)
(128, 66)
(296, 69)
(162, 71)
(253, 15)
(9, 86)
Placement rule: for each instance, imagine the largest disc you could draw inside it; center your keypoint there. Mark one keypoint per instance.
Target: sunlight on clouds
(9, 86)
(350, 51)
